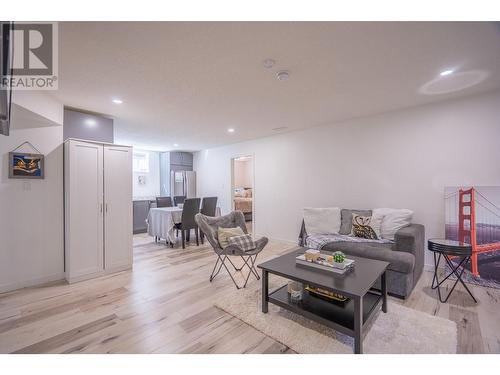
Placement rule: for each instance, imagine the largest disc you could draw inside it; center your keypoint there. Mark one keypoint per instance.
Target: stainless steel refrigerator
(183, 183)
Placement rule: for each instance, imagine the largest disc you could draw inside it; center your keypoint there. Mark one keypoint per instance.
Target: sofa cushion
(346, 219)
(399, 261)
(365, 227)
(322, 220)
(393, 219)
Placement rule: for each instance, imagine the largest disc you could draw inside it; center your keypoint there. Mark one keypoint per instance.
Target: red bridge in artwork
(478, 223)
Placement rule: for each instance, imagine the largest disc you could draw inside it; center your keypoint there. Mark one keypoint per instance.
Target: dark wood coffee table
(352, 316)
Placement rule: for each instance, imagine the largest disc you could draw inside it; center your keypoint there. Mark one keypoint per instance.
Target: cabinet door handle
(106, 207)
(101, 207)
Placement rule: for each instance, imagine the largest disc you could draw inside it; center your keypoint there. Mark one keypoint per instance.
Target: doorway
(242, 188)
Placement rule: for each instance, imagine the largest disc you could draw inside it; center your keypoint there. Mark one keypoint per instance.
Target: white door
(117, 207)
(84, 209)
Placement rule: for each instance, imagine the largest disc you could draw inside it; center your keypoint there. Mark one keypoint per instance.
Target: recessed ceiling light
(457, 81)
(230, 130)
(176, 145)
(117, 101)
(446, 72)
(90, 122)
(283, 75)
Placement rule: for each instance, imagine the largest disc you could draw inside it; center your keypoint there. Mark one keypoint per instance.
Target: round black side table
(448, 249)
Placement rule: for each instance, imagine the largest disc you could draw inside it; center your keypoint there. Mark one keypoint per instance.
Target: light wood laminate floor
(165, 305)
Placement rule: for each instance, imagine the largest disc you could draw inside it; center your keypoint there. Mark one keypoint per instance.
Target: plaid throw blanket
(245, 242)
(317, 241)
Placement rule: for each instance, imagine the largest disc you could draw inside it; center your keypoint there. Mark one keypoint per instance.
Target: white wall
(243, 173)
(31, 211)
(399, 159)
(152, 187)
(41, 103)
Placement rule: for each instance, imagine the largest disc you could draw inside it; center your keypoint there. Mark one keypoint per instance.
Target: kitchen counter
(141, 206)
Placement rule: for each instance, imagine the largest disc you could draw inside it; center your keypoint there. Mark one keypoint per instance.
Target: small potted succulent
(338, 257)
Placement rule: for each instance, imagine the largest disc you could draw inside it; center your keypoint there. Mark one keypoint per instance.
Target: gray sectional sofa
(405, 255)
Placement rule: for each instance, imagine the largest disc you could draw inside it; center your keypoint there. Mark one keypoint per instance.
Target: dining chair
(163, 202)
(179, 199)
(208, 207)
(210, 225)
(189, 210)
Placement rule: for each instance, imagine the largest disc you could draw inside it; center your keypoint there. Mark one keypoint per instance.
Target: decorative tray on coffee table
(322, 264)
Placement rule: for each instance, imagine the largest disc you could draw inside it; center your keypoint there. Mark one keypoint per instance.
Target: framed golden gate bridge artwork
(472, 215)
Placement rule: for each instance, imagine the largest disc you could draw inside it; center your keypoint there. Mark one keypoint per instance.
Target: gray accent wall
(181, 161)
(88, 126)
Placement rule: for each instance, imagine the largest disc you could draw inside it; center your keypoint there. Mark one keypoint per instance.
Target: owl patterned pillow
(363, 227)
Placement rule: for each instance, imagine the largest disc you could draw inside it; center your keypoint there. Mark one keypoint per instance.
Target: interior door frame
(232, 160)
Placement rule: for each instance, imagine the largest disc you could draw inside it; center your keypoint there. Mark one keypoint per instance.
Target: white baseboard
(29, 283)
(280, 240)
(95, 275)
(429, 267)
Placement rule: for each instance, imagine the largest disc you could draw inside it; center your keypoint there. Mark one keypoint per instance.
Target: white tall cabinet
(98, 208)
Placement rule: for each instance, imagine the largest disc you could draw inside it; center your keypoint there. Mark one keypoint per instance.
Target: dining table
(161, 221)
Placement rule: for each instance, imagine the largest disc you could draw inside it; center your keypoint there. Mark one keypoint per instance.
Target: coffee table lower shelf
(340, 317)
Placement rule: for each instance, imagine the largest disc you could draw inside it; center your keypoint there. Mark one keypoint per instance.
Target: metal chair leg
(249, 273)
(252, 268)
(249, 262)
(255, 272)
(212, 276)
(230, 275)
(235, 268)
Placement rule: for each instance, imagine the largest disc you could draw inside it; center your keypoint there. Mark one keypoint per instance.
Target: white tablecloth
(161, 221)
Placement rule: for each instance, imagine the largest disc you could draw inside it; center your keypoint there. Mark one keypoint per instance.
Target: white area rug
(401, 330)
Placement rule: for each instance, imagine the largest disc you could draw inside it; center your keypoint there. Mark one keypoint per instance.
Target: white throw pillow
(393, 219)
(322, 220)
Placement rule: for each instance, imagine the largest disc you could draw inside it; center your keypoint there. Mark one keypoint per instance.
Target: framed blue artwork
(24, 165)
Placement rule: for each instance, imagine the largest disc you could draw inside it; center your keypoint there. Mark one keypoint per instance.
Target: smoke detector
(268, 63)
(283, 75)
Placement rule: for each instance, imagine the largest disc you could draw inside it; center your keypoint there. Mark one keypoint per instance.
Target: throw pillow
(361, 227)
(223, 235)
(346, 224)
(322, 220)
(245, 242)
(393, 219)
